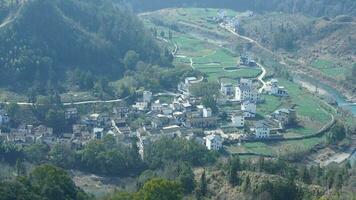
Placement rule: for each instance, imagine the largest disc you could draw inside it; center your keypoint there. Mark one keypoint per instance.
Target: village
(184, 116)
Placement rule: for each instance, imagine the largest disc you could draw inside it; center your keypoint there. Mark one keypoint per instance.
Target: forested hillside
(41, 40)
(308, 7)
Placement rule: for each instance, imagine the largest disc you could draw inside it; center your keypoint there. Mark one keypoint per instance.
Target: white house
(261, 130)
(156, 106)
(249, 109)
(147, 96)
(238, 121)
(4, 118)
(207, 112)
(273, 88)
(98, 133)
(140, 106)
(213, 142)
(226, 89)
(243, 93)
(188, 82)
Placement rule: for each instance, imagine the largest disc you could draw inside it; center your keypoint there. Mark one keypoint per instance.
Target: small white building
(166, 109)
(226, 89)
(147, 96)
(273, 88)
(185, 86)
(156, 106)
(4, 118)
(213, 142)
(249, 109)
(140, 106)
(261, 130)
(98, 133)
(207, 112)
(238, 121)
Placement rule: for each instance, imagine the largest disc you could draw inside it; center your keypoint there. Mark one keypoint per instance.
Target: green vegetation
(83, 44)
(165, 149)
(158, 189)
(44, 182)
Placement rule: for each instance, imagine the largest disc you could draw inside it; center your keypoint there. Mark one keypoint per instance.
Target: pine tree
(246, 184)
(203, 184)
(170, 34)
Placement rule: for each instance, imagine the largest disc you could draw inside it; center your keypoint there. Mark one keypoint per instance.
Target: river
(341, 100)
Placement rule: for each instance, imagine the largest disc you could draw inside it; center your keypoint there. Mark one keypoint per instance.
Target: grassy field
(331, 68)
(208, 55)
(274, 148)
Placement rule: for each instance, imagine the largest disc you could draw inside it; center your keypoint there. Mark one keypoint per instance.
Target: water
(339, 98)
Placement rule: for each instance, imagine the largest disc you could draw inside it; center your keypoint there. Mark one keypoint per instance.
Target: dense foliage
(46, 39)
(44, 182)
(165, 149)
(155, 189)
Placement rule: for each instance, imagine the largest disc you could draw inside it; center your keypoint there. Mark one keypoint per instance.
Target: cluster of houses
(183, 116)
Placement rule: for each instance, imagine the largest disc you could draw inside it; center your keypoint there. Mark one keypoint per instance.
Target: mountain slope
(50, 37)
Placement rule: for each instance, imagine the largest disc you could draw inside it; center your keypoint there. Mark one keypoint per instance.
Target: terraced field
(206, 54)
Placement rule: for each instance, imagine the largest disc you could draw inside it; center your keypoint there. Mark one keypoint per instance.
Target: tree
(234, 167)
(336, 134)
(62, 155)
(203, 187)
(210, 102)
(246, 185)
(36, 153)
(56, 120)
(130, 60)
(186, 178)
(155, 32)
(162, 34)
(20, 167)
(53, 183)
(170, 34)
(161, 189)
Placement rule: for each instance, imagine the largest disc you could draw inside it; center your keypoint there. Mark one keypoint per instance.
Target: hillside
(308, 7)
(41, 40)
(323, 47)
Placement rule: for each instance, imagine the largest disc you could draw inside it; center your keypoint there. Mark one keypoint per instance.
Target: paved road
(71, 103)
(261, 77)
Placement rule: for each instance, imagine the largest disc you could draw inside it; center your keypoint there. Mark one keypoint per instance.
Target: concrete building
(273, 88)
(249, 109)
(285, 117)
(238, 120)
(261, 130)
(207, 112)
(147, 96)
(226, 89)
(213, 142)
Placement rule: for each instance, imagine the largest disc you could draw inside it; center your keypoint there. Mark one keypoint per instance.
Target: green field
(331, 68)
(275, 148)
(208, 55)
